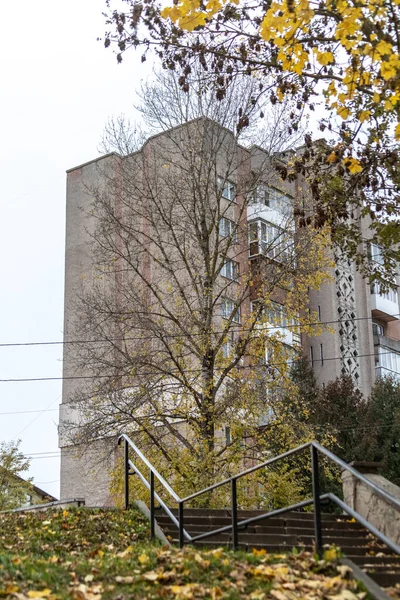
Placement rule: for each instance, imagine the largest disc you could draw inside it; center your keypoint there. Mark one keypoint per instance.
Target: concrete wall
(85, 472)
(379, 512)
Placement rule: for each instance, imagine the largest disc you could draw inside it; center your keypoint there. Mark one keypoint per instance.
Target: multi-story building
(362, 333)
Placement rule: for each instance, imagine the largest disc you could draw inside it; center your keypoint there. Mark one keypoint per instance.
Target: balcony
(289, 337)
(383, 372)
(384, 306)
(387, 356)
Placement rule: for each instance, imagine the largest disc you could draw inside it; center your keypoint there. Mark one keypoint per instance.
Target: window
(388, 359)
(229, 310)
(227, 228)
(227, 188)
(228, 346)
(277, 315)
(230, 269)
(377, 329)
(270, 240)
(376, 254)
(273, 198)
(390, 294)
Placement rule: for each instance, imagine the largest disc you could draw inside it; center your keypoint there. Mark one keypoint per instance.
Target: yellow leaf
(331, 554)
(143, 559)
(43, 594)
(343, 112)
(397, 132)
(325, 58)
(364, 115)
(226, 562)
(331, 158)
(10, 589)
(261, 552)
(388, 71)
(65, 514)
(353, 165)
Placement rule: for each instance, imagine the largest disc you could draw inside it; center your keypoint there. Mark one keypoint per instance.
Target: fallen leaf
(150, 576)
(344, 570)
(127, 579)
(144, 559)
(36, 594)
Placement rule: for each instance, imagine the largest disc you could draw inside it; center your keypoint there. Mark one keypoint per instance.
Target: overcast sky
(59, 87)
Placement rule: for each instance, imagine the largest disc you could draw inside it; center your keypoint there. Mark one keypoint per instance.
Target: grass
(94, 554)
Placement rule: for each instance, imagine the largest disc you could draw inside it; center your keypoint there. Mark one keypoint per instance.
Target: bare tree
(182, 346)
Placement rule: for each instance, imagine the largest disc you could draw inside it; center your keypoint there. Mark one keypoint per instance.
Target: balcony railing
(384, 305)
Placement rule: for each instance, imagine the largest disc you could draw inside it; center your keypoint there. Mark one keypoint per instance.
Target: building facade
(361, 333)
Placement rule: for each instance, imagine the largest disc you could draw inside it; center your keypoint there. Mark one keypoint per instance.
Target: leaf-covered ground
(85, 554)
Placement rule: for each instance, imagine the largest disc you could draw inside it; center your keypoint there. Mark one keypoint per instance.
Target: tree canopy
(13, 489)
(341, 53)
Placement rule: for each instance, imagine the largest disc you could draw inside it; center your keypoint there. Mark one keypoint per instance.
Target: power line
(42, 457)
(41, 453)
(37, 417)
(179, 335)
(43, 482)
(24, 412)
(184, 371)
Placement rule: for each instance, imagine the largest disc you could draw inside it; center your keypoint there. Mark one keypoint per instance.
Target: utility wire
(171, 373)
(179, 335)
(24, 412)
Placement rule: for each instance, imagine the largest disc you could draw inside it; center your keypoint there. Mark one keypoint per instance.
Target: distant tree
(382, 430)
(13, 489)
(336, 413)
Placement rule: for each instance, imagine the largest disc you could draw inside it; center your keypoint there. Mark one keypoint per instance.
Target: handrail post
(126, 474)
(181, 528)
(235, 533)
(152, 520)
(317, 502)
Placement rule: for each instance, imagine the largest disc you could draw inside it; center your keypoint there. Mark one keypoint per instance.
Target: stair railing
(315, 448)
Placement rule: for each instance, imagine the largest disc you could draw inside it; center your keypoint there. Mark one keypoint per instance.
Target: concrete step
(263, 529)
(215, 522)
(291, 530)
(245, 514)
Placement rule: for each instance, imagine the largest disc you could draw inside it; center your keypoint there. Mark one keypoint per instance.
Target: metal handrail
(158, 498)
(376, 488)
(270, 461)
(160, 478)
(236, 525)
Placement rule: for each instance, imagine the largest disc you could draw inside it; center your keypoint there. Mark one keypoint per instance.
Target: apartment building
(255, 226)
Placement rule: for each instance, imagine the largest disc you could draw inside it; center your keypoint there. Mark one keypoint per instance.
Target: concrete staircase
(292, 530)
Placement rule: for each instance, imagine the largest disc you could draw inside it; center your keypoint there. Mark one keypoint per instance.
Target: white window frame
(228, 310)
(228, 189)
(230, 269)
(273, 198)
(228, 228)
(228, 346)
(268, 242)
